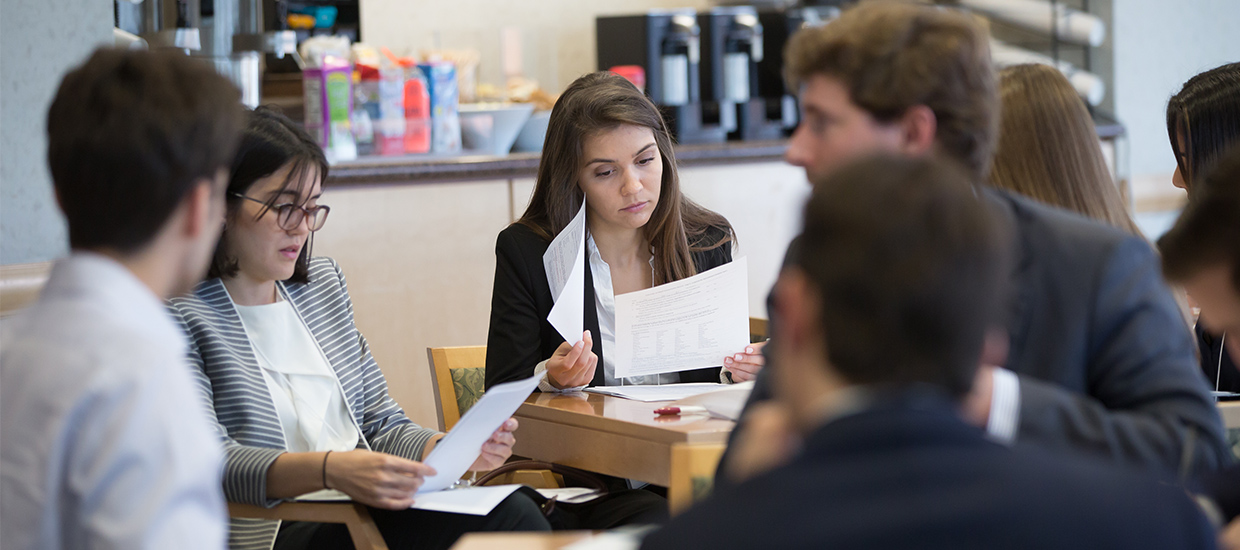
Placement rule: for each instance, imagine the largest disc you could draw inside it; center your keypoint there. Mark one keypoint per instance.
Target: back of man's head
(1207, 233)
(129, 134)
(909, 266)
(891, 56)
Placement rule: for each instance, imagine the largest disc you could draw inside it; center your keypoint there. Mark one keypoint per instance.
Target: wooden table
(624, 438)
(1230, 411)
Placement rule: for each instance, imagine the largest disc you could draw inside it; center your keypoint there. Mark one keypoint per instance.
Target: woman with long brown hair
(1048, 147)
(606, 145)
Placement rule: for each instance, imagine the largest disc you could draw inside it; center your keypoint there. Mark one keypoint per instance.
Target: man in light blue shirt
(105, 442)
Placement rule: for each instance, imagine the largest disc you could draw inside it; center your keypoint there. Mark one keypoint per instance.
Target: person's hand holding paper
(375, 479)
(573, 363)
(497, 449)
(463, 447)
(573, 366)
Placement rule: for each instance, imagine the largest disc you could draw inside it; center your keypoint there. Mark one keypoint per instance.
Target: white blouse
(305, 390)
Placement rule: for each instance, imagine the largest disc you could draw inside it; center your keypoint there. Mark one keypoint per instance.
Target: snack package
(329, 104)
(444, 103)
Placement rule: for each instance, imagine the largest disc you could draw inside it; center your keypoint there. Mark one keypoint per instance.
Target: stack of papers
(474, 501)
(667, 392)
(727, 403)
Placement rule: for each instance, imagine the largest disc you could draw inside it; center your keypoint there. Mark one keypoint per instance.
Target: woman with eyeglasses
(300, 403)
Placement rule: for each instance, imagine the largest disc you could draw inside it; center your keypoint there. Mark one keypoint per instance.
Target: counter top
(431, 168)
(373, 170)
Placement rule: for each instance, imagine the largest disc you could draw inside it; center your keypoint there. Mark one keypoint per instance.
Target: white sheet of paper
(570, 495)
(563, 261)
(687, 324)
(727, 402)
(666, 392)
(453, 455)
(475, 501)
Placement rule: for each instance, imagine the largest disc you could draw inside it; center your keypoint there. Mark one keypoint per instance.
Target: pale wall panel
(763, 202)
(522, 190)
(420, 261)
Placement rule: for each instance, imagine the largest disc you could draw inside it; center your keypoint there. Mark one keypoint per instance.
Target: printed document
(458, 450)
(687, 324)
(564, 261)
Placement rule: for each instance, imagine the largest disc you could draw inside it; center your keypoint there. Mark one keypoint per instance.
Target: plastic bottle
(417, 112)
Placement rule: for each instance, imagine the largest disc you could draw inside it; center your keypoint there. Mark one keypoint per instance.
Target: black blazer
(1216, 364)
(910, 474)
(520, 336)
(1106, 364)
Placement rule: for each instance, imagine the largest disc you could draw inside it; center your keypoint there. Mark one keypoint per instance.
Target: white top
(1004, 419)
(105, 441)
(303, 386)
(605, 304)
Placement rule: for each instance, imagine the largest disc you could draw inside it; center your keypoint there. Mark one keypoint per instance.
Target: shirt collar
(93, 277)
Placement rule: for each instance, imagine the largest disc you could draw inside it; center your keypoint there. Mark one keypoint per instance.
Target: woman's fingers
(584, 373)
(407, 467)
(746, 364)
(503, 438)
(574, 356)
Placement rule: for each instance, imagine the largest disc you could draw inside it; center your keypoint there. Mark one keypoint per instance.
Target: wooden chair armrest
(356, 517)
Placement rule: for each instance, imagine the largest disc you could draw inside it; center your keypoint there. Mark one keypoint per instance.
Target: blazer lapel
(590, 320)
(216, 296)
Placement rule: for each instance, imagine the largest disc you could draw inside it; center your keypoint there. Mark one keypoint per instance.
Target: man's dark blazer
(1105, 361)
(520, 336)
(910, 474)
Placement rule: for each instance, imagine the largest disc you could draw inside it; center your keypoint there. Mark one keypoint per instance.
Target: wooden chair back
(458, 375)
(20, 285)
(758, 329)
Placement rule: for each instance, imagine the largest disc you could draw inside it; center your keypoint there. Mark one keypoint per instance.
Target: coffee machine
(733, 44)
(778, 25)
(227, 33)
(667, 45)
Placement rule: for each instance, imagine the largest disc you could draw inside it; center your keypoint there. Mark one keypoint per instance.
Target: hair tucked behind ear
(270, 141)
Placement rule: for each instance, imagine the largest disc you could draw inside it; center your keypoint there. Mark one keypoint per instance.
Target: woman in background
(606, 145)
(1203, 121)
(1048, 148)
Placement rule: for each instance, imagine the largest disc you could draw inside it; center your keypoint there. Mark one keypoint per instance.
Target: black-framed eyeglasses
(289, 215)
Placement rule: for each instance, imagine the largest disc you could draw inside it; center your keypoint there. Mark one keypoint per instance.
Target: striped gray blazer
(233, 388)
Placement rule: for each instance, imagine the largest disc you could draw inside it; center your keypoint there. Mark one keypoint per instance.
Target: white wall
(1159, 45)
(39, 41)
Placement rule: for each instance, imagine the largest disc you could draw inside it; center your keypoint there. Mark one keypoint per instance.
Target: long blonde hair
(1048, 147)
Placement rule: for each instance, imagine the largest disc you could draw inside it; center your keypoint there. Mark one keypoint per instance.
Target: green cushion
(468, 385)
